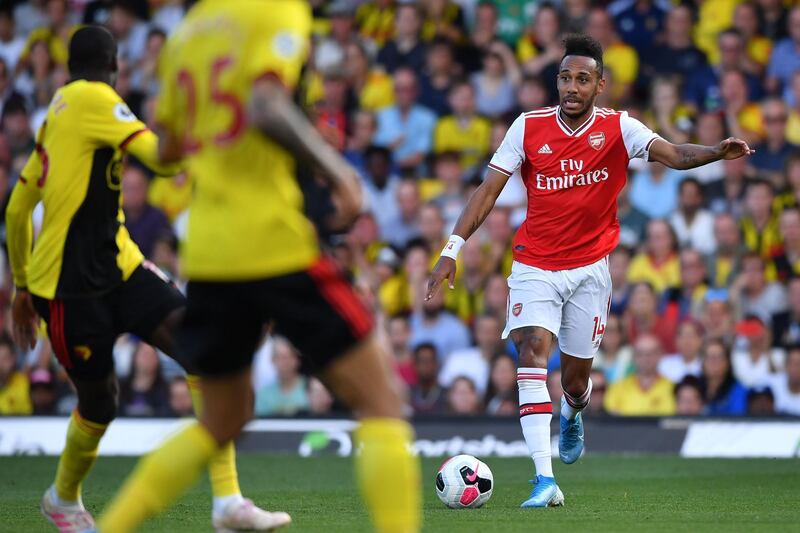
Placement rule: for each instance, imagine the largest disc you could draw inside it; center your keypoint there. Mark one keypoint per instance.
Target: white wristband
(453, 246)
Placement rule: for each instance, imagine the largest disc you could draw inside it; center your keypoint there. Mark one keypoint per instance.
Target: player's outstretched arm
(278, 117)
(686, 156)
(475, 212)
(19, 236)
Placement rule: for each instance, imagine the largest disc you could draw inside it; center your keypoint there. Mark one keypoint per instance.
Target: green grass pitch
(603, 493)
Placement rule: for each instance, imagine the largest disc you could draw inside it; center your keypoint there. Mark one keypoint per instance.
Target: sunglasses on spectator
(775, 118)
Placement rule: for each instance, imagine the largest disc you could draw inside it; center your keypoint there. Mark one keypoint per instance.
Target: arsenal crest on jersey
(597, 140)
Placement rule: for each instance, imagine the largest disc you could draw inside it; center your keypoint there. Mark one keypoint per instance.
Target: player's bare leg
(231, 511)
(577, 388)
(97, 407)
(534, 345)
(166, 473)
(362, 379)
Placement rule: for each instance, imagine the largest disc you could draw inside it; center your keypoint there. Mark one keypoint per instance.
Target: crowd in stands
(705, 317)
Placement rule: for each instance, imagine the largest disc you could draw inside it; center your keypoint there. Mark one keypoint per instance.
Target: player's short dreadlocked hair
(577, 44)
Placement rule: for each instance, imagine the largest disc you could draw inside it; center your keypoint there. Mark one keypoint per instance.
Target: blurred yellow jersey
(246, 217)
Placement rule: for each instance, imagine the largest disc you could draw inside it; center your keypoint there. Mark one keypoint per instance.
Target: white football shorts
(572, 304)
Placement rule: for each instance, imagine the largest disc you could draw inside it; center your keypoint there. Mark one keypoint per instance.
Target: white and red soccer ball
(463, 482)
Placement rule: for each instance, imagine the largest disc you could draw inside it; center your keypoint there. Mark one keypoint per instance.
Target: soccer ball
(464, 481)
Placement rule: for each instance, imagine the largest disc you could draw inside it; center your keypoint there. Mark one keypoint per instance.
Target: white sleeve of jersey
(508, 158)
(636, 136)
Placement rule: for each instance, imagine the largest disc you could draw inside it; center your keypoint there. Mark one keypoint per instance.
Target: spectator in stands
(464, 131)
(632, 221)
(786, 325)
(615, 356)
(541, 49)
(431, 226)
(759, 224)
(495, 296)
(785, 263)
(708, 127)
(618, 263)
(501, 396)
(667, 115)
(702, 87)
(774, 19)
(754, 360)
(448, 173)
(431, 323)
(484, 30)
(406, 48)
(463, 398)
(793, 120)
(474, 362)
(693, 225)
(770, 158)
(43, 392)
(439, 76)
(639, 22)
(723, 265)
(406, 127)
(659, 264)
(426, 397)
(443, 19)
(654, 191)
(643, 318)
(689, 397)
(677, 54)
(128, 29)
(288, 395)
(364, 124)
(645, 393)
(620, 58)
(785, 58)
(14, 385)
(786, 385)
(399, 333)
(342, 36)
(757, 47)
(144, 392)
(687, 361)
(404, 226)
(728, 195)
(380, 185)
(689, 295)
(11, 44)
(17, 130)
(760, 402)
(371, 86)
(597, 398)
(145, 223)
(717, 315)
(495, 85)
(722, 393)
(753, 294)
(742, 114)
(320, 400)
(180, 398)
(376, 20)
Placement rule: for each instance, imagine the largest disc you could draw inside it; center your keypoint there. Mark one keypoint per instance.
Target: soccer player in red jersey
(573, 159)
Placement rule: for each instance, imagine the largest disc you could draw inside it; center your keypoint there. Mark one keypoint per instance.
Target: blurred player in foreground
(573, 159)
(86, 277)
(251, 256)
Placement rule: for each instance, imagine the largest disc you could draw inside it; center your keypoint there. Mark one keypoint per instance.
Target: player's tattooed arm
(272, 112)
(686, 156)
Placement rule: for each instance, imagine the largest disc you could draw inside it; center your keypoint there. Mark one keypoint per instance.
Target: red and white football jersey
(573, 178)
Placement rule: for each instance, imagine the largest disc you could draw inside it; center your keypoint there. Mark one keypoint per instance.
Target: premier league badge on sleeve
(597, 140)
